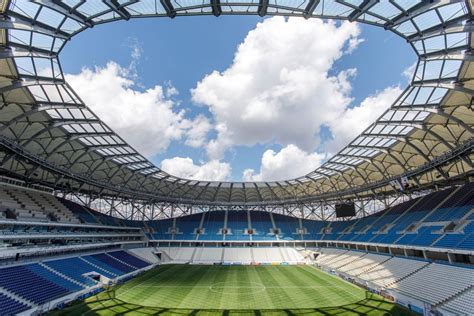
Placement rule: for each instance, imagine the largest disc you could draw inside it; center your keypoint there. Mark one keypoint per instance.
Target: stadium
(90, 226)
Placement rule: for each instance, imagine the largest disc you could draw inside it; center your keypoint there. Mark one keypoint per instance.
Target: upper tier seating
(443, 219)
(161, 229)
(237, 223)
(80, 211)
(262, 225)
(31, 205)
(422, 221)
(288, 225)
(213, 223)
(186, 227)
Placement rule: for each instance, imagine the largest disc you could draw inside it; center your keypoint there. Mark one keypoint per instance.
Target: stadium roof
(49, 136)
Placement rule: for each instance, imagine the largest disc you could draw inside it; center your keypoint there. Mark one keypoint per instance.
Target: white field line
(239, 287)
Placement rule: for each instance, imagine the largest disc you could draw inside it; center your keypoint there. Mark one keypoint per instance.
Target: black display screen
(345, 209)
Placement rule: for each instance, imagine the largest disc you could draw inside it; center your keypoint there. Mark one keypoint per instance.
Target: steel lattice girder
(70, 144)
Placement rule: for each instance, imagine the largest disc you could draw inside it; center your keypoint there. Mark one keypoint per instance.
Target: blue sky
(182, 51)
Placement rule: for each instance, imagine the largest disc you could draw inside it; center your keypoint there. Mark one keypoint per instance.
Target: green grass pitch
(242, 290)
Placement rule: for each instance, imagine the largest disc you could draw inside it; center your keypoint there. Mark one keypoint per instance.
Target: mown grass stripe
(187, 290)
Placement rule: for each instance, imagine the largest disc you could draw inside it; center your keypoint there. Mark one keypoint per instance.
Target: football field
(213, 290)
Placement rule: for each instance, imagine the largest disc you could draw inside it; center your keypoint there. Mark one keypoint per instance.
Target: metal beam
(117, 8)
(216, 7)
(168, 6)
(310, 7)
(362, 9)
(262, 8)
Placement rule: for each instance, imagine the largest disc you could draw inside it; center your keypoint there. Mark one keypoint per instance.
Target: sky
(237, 98)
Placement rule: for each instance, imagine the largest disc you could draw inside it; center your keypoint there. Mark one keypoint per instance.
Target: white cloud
(197, 132)
(278, 88)
(290, 162)
(185, 168)
(147, 119)
(355, 120)
(409, 72)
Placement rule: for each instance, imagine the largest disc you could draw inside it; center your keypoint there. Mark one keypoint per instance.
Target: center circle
(237, 287)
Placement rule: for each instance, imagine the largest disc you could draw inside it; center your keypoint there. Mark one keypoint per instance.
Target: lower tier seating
(75, 268)
(436, 282)
(9, 306)
(462, 303)
(128, 258)
(29, 285)
(243, 255)
(441, 285)
(113, 263)
(40, 283)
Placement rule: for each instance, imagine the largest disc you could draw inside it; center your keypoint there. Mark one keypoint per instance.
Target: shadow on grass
(106, 303)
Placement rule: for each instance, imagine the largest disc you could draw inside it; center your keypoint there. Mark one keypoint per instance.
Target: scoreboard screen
(345, 210)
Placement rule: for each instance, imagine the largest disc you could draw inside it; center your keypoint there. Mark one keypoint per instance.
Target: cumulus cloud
(147, 119)
(290, 162)
(278, 88)
(184, 167)
(409, 72)
(197, 132)
(355, 120)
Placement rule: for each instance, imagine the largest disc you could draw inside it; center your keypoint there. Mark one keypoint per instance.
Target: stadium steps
(165, 257)
(379, 218)
(226, 215)
(455, 295)
(277, 237)
(467, 215)
(282, 255)
(223, 254)
(249, 221)
(464, 239)
(173, 229)
(97, 267)
(407, 276)
(193, 255)
(441, 236)
(17, 297)
(252, 257)
(201, 222)
(123, 262)
(61, 275)
(287, 254)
